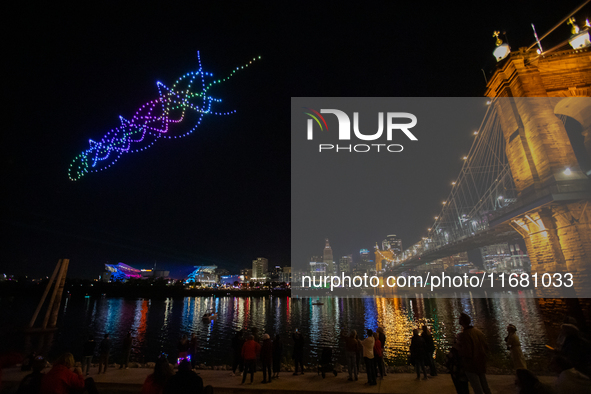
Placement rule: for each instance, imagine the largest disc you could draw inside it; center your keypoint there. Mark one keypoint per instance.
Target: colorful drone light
(159, 118)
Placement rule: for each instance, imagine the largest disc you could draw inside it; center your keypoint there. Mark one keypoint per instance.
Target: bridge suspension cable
(483, 186)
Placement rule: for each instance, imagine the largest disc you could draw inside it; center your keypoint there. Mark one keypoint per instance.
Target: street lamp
(579, 39)
(502, 50)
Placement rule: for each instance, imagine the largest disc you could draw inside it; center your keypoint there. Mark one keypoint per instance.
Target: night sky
(221, 195)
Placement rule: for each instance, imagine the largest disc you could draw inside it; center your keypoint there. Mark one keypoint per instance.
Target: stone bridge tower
(544, 109)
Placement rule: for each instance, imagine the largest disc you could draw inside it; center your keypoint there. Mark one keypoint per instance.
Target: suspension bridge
(527, 174)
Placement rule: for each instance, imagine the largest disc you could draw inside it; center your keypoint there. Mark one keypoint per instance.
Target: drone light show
(175, 113)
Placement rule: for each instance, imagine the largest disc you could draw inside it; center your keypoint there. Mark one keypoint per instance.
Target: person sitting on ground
(569, 380)
(31, 384)
(528, 383)
(186, 381)
(155, 382)
(62, 380)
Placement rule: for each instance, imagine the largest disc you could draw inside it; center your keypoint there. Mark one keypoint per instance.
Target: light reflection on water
(158, 324)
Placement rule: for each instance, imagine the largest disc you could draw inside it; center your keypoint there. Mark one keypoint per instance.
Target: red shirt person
(61, 379)
(250, 351)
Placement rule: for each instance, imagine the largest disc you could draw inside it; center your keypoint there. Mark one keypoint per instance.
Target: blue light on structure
(203, 274)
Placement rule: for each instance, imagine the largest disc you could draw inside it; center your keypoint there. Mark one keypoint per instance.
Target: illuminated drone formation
(159, 118)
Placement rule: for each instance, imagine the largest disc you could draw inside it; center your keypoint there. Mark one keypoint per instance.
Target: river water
(157, 325)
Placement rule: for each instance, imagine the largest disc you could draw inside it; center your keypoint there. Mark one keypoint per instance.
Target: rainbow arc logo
(316, 117)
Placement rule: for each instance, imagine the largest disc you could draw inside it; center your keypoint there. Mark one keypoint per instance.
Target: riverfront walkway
(131, 380)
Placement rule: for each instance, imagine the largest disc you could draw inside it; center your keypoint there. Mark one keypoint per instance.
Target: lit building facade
(204, 274)
(122, 272)
(346, 263)
(365, 262)
(393, 243)
(260, 267)
(328, 259)
(317, 266)
(505, 258)
(231, 280)
(286, 275)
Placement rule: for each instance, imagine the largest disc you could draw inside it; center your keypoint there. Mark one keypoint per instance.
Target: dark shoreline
(83, 288)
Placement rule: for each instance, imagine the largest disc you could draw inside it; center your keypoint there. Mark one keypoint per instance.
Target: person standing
(87, 353)
(237, 362)
(454, 366)
(193, 349)
(351, 355)
(368, 357)
(382, 338)
(418, 351)
(267, 357)
(430, 348)
(359, 354)
(298, 351)
(183, 347)
(277, 356)
(378, 356)
(473, 351)
(250, 350)
(104, 350)
(255, 334)
(127, 345)
(514, 346)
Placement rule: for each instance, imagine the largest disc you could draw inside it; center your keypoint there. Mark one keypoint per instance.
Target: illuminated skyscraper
(260, 266)
(364, 262)
(393, 243)
(317, 266)
(328, 259)
(364, 255)
(346, 263)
